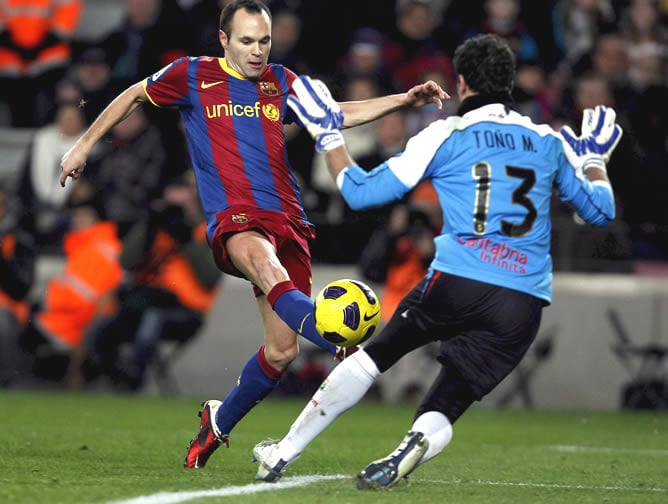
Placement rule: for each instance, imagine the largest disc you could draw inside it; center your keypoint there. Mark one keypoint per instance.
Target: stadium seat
(174, 342)
(648, 386)
(522, 375)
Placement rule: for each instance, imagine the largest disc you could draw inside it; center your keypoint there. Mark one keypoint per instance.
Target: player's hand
(425, 94)
(600, 134)
(72, 165)
(318, 112)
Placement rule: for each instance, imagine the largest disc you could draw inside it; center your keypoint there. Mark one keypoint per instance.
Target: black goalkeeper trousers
(485, 331)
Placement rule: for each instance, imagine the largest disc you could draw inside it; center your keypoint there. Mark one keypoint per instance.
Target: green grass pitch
(85, 448)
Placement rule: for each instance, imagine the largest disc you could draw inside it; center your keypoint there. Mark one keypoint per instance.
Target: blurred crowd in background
(571, 54)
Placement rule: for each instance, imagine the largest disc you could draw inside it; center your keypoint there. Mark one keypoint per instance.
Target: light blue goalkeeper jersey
(494, 171)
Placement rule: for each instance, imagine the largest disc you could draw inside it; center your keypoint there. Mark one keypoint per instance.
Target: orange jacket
(175, 274)
(92, 271)
(19, 308)
(39, 34)
(402, 276)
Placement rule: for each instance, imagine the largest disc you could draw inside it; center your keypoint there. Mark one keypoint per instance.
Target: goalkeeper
(494, 171)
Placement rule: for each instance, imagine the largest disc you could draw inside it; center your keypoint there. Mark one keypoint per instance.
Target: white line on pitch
(543, 485)
(184, 496)
(600, 449)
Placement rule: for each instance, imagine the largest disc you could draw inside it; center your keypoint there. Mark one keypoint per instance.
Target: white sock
(437, 429)
(340, 391)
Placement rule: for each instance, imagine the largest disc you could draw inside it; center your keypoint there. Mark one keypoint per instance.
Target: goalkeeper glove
(318, 112)
(600, 134)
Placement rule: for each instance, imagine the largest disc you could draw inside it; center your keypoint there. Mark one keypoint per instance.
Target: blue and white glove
(600, 134)
(318, 112)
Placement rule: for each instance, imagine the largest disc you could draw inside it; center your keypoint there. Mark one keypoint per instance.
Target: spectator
(585, 90)
(92, 72)
(610, 59)
(643, 31)
(412, 48)
(647, 42)
(202, 18)
(502, 17)
(531, 94)
(648, 111)
(455, 19)
(131, 172)
(364, 58)
(42, 199)
(80, 293)
(578, 23)
(17, 268)
(648, 69)
(390, 134)
(151, 36)
(173, 284)
(35, 50)
(285, 35)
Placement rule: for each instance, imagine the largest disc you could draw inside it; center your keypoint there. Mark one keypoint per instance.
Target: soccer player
(234, 109)
(494, 171)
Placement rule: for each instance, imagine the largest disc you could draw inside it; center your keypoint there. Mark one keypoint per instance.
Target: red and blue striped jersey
(234, 129)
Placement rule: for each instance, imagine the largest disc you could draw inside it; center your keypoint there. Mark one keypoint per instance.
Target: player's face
(247, 48)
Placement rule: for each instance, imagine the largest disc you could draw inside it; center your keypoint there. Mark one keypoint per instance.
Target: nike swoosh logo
(369, 317)
(207, 85)
(405, 314)
(301, 326)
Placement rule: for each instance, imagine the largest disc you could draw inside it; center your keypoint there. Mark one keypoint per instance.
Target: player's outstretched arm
(74, 160)
(360, 112)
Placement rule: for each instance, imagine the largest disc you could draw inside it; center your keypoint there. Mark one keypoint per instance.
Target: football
(347, 312)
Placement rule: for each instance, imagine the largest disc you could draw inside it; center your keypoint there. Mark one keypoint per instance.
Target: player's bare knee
(280, 356)
(270, 272)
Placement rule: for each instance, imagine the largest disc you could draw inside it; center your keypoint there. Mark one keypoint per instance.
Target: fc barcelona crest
(239, 218)
(268, 88)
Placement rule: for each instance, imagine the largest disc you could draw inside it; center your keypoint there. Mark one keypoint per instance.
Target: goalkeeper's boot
(270, 465)
(385, 472)
(208, 439)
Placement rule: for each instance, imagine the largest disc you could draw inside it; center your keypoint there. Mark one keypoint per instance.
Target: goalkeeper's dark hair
(228, 12)
(487, 64)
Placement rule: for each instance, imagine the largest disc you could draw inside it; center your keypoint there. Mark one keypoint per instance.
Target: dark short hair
(487, 64)
(228, 12)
